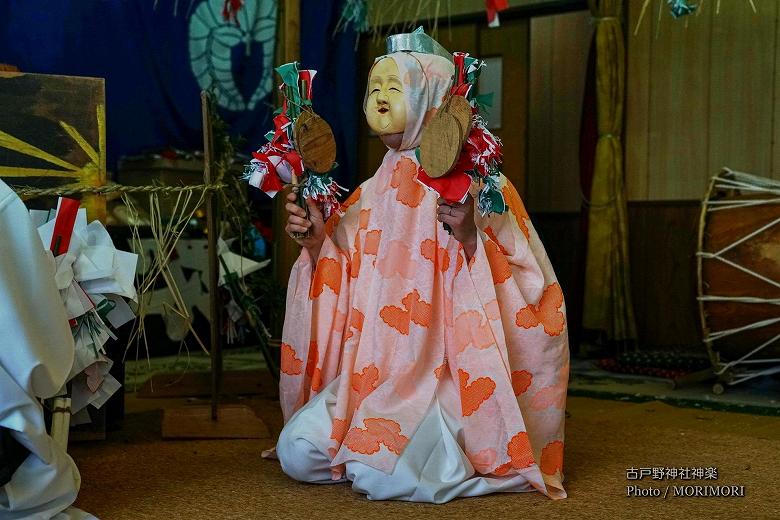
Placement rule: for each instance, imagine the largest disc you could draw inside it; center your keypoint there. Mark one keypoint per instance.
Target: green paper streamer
(289, 74)
(316, 184)
(105, 307)
(483, 101)
(491, 199)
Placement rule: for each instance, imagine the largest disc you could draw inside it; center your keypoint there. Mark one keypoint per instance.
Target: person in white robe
(36, 356)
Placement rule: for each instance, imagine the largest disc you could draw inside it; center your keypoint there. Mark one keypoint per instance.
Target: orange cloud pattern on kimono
(459, 263)
(335, 218)
(521, 380)
(313, 358)
(410, 192)
(547, 312)
(363, 217)
(364, 382)
(519, 451)
(373, 238)
(492, 310)
(517, 208)
(377, 431)
(520, 454)
(355, 323)
(438, 255)
(290, 364)
(414, 310)
(547, 397)
(473, 395)
(440, 369)
(499, 266)
(492, 234)
(398, 262)
(483, 460)
(357, 258)
(316, 380)
(328, 273)
(339, 430)
(472, 330)
(552, 458)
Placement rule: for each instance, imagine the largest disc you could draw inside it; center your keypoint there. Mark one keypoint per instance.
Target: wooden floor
(137, 475)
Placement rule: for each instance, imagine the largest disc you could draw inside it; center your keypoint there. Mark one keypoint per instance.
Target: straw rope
(63, 191)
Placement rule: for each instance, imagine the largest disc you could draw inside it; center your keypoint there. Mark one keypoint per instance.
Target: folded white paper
(94, 278)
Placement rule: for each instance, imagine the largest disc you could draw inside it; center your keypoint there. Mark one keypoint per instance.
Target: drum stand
(730, 373)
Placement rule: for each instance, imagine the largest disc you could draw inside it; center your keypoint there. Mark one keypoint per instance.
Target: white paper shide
(95, 281)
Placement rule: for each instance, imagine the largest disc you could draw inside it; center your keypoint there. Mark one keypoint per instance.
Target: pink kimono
(408, 370)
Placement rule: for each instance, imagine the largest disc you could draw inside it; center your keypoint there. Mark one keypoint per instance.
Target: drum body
(739, 269)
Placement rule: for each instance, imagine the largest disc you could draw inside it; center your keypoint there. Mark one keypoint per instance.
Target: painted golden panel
(52, 133)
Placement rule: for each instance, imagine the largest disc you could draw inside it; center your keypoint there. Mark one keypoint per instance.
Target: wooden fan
(444, 135)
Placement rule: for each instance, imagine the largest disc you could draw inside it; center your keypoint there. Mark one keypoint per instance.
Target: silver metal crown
(416, 41)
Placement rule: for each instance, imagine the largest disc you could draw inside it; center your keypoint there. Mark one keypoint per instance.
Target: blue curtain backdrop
(336, 95)
(156, 57)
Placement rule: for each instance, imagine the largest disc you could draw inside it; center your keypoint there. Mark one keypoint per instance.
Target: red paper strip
(459, 86)
(230, 10)
(452, 187)
(63, 226)
(494, 6)
(304, 79)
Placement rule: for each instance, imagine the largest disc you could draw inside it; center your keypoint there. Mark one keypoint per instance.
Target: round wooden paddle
(444, 135)
(315, 142)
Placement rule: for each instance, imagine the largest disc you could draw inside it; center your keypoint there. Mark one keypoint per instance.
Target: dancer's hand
(298, 223)
(460, 218)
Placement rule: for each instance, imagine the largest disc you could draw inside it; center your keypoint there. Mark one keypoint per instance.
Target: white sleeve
(36, 344)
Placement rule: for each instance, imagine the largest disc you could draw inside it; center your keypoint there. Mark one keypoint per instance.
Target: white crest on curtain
(212, 40)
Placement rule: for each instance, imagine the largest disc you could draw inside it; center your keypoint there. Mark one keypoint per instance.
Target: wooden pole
(213, 264)
(219, 421)
(285, 249)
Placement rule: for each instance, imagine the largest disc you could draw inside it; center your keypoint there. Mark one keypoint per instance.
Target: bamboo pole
(285, 249)
(218, 421)
(213, 263)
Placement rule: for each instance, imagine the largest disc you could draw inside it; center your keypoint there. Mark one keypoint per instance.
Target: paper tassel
(275, 163)
(354, 12)
(680, 8)
(490, 198)
(480, 160)
(322, 189)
